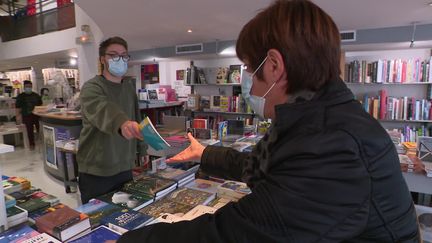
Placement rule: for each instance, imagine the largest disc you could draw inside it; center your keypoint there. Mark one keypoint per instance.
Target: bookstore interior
(186, 88)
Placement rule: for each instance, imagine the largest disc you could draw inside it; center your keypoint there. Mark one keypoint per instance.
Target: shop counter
(58, 126)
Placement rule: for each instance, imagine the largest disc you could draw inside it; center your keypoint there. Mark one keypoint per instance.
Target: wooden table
(15, 129)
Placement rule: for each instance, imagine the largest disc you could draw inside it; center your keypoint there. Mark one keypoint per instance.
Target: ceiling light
(430, 4)
(189, 30)
(72, 61)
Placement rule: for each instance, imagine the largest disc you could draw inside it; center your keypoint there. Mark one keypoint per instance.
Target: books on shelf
(98, 235)
(151, 135)
(413, 70)
(193, 102)
(126, 220)
(411, 163)
(222, 75)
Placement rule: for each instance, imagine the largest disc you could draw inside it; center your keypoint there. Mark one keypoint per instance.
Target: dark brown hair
(303, 33)
(110, 41)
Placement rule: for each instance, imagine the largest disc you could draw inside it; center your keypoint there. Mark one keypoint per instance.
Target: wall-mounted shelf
(404, 121)
(227, 84)
(224, 113)
(406, 83)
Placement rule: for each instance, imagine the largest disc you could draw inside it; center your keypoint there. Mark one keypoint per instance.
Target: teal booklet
(151, 135)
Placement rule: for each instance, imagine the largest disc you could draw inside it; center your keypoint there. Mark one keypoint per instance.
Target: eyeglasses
(116, 57)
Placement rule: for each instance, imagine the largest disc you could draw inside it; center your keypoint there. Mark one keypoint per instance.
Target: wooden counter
(58, 115)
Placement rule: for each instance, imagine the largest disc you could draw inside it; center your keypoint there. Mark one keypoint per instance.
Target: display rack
(3, 220)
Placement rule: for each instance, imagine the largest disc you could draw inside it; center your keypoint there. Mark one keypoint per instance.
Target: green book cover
(131, 200)
(149, 185)
(166, 206)
(34, 204)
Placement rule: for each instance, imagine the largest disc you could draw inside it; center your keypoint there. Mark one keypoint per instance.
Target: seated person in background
(25, 103)
(325, 171)
(46, 99)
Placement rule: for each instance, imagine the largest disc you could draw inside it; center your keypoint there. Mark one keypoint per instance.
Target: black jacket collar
(333, 93)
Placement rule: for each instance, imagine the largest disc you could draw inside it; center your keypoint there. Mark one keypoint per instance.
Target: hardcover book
(124, 199)
(96, 209)
(151, 136)
(166, 206)
(98, 235)
(191, 197)
(16, 215)
(63, 223)
(150, 185)
(126, 220)
(38, 213)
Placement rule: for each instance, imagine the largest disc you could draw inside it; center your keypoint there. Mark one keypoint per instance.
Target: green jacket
(105, 106)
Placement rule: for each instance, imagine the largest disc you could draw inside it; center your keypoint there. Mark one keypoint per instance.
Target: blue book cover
(17, 234)
(151, 136)
(97, 209)
(4, 177)
(98, 235)
(125, 221)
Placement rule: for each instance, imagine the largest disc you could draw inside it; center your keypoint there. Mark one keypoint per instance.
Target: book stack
(411, 163)
(182, 177)
(233, 190)
(16, 215)
(15, 184)
(410, 147)
(63, 223)
(151, 185)
(178, 141)
(37, 201)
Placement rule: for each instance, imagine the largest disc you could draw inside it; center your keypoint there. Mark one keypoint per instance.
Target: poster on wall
(49, 146)
(179, 85)
(149, 74)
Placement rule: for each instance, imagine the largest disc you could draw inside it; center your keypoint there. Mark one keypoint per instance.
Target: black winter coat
(326, 172)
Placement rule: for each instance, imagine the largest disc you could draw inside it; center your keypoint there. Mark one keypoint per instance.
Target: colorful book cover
(124, 199)
(166, 206)
(17, 234)
(151, 136)
(204, 185)
(38, 213)
(98, 235)
(9, 201)
(125, 221)
(191, 197)
(33, 204)
(96, 209)
(24, 193)
(150, 185)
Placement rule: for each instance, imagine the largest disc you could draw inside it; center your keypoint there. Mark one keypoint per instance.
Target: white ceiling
(150, 24)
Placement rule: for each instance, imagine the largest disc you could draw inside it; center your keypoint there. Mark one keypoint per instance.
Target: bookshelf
(226, 113)
(401, 77)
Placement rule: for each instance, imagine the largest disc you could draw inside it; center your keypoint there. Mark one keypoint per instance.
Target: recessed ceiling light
(189, 30)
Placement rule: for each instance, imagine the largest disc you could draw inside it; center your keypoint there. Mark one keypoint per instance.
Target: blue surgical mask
(28, 90)
(257, 103)
(117, 68)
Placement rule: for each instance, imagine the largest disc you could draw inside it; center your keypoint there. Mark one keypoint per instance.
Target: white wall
(37, 45)
(87, 53)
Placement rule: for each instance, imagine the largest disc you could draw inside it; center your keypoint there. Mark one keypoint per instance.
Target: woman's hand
(191, 153)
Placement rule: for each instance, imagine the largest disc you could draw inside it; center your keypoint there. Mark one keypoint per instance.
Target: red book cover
(383, 104)
(199, 123)
(404, 71)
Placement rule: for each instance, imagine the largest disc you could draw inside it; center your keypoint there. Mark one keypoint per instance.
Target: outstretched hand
(191, 153)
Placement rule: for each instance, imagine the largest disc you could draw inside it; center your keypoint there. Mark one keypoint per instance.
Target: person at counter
(46, 99)
(110, 134)
(325, 171)
(25, 103)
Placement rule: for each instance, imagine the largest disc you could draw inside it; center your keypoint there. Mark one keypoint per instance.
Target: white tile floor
(29, 164)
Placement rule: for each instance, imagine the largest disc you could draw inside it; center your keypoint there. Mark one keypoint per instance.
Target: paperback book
(151, 136)
(17, 234)
(150, 185)
(98, 235)
(126, 220)
(166, 206)
(191, 197)
(42, 238)
(204, 185)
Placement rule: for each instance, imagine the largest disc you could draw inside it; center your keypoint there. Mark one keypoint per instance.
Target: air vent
(190, 48)
(348, 36)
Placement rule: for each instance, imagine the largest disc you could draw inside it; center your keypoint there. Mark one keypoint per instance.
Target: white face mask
(257, 103)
